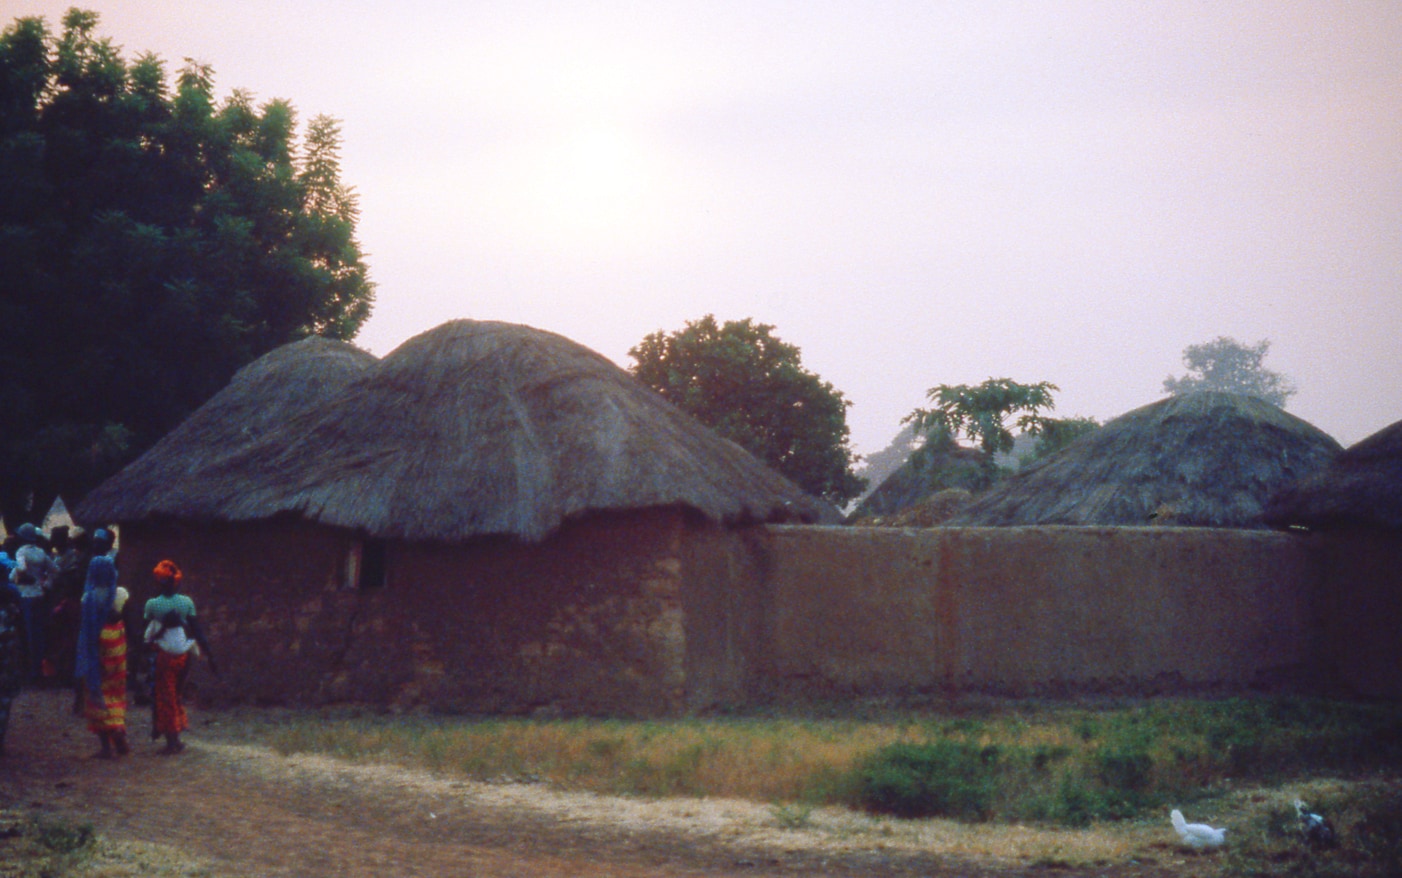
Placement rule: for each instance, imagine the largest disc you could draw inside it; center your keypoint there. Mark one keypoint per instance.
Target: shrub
(938, 779)
(66, 838)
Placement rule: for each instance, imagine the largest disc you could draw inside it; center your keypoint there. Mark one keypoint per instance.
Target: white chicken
(1197, 835)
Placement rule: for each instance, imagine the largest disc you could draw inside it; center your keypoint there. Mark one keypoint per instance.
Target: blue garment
(99, 592)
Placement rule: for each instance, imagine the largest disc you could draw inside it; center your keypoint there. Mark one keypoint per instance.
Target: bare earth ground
(227, 809)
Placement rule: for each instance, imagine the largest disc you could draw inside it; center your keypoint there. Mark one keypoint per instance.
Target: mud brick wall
(876, 611)
(1360, 603)
(660, 613)
(589, 622)
(268, 596)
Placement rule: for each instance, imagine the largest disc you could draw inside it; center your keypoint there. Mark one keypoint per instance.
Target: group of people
(53, 632)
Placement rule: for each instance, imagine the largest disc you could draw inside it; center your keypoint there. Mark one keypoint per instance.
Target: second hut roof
(1361, 487)
(185, 473)
(1201, 459)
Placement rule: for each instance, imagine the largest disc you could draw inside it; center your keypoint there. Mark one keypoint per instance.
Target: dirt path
(225, 809)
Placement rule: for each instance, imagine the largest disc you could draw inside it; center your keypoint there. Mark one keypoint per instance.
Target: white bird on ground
(1317, 830)
(1197, 835)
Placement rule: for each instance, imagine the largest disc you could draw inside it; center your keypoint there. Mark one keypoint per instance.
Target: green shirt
(158, 606)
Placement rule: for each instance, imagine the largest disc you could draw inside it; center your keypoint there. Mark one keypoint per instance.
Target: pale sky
(913, 193)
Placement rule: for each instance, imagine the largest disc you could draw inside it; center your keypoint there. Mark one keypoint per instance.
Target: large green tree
(153, 240)
(750, 387)
(985, 413)
(1227, 365)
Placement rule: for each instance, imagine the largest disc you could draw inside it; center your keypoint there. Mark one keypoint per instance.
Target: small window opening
(366, 564)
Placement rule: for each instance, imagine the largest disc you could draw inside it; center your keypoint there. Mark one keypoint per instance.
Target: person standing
(168, 608)
(12, 655)
(101, 663)
(33, 572)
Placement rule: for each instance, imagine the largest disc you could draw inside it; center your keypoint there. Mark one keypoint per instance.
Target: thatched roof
(483, 428)
(932, 511)
(1201, 459)
(1361, 487)
(931, 468)
(192, 461)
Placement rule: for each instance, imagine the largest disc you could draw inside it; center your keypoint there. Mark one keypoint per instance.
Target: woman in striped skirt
(102, 657)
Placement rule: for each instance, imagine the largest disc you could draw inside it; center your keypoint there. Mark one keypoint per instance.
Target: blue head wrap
(99, 592)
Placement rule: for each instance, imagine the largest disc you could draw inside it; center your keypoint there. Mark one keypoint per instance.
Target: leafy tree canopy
(1225, 364)
(981, 413)
(1057, 433)
(154, 239)
(751, 388)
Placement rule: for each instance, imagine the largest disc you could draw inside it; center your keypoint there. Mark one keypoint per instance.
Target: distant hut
(1200, 460)
(944, 468)
(492, 517)
(1356, 503)
(1359, 489)
(56, 517)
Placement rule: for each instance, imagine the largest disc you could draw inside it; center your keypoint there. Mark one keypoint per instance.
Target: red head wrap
(167, 571)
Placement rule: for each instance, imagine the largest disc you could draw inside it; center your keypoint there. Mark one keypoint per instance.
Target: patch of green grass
(1368, 823)
(63, 837)
(792, 816)
(936, 779)
(1056, 763)
(43, 847)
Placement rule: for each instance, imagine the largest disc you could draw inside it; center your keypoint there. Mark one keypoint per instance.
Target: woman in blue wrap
(101, 666)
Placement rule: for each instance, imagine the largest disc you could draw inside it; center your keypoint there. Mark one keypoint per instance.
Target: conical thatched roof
(1361, 487)
(57, 516)
(483, 428)
(190, 464)
(930, 469)
(1201, 459)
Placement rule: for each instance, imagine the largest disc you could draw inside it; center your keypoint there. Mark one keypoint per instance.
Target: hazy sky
(913, 193)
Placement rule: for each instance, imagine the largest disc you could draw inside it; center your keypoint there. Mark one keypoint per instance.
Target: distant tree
(981, 413)
(1226, 365)
(153, 240)
(751, 388)
(1057, 433)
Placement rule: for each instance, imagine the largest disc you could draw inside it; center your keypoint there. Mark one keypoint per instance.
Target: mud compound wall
(1361, 609)
(655, 613)
(875, 611)
(591, 621)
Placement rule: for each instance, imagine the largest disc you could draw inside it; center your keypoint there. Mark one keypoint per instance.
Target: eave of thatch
(179, 474)
(491, 429)
(1362, 487)
(1201, 459)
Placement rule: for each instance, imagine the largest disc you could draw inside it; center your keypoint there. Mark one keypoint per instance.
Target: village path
(226, 809)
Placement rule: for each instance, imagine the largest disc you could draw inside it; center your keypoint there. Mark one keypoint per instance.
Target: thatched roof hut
(470, 429)
(177, 475)
(1201, 459)
(535, 526)
(1362, 487)
(930, 469)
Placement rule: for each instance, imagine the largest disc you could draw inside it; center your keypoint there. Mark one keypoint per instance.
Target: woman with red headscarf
(169, 609)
